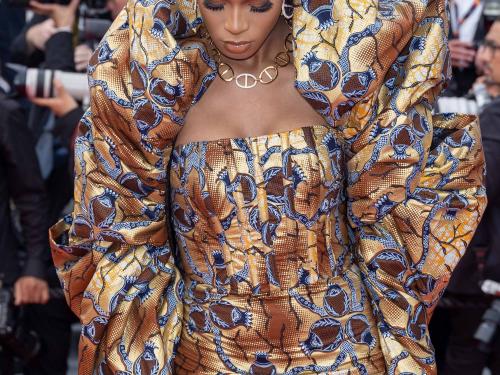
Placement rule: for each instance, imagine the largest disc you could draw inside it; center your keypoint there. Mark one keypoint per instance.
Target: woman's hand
(63, 15)
(61, 104)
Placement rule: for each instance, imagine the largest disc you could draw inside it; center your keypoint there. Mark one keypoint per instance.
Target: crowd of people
(475, 59)
(36, 181)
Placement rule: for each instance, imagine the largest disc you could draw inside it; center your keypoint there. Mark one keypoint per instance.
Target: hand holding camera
(63, 15)
(37, 35)
(62, 102)
(83, 53)
(462, 53)
(29, 289)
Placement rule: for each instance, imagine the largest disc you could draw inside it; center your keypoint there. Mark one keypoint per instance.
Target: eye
(211, 6)
(263, 8)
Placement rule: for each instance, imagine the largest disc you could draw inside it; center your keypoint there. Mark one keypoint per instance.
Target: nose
(236, 22)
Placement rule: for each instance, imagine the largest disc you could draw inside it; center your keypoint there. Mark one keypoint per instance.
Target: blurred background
(45, 48)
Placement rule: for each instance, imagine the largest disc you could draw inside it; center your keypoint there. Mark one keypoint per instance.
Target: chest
(228, 111)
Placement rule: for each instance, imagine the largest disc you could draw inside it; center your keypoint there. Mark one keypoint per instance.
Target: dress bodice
(263, 247)
(261, 214)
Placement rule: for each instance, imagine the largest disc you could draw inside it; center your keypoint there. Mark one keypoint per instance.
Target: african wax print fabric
(414, 180)
(263, 245)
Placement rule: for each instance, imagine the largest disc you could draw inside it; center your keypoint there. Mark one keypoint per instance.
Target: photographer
(53, 50)
(67, 113)
(21, 182)
(51, 47)
(482, 260)
(47, 39)
(467, 29)
(12, 21)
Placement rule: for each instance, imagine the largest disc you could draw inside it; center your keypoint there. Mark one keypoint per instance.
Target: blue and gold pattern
(398, 190)
(263, 250)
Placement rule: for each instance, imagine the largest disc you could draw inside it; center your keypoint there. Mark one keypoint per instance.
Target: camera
(20, 342)
(96, 4)
(92, 28)
(34, 82)
(93, 20)
(486, 332)
(491, 9)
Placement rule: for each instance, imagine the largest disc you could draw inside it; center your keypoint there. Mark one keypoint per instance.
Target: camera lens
(488, 327)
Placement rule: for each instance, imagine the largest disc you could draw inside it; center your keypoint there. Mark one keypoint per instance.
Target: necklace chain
(249, 80)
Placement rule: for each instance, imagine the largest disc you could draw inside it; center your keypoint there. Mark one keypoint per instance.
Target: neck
(273, 44)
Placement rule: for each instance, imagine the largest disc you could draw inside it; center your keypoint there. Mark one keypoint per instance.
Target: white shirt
(460, 8)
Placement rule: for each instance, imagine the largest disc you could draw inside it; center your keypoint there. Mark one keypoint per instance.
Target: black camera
(14, 337)
(95, 4)
(93, 20)
(491, 9)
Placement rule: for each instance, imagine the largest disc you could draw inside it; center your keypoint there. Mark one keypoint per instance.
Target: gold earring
(287, 10)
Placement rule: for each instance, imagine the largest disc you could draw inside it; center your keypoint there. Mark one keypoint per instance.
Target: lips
(237, 47)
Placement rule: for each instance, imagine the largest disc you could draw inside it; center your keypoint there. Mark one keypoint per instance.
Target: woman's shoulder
(143, 79)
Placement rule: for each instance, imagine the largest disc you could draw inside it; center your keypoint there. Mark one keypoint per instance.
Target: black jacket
(466, 276)
(463, 78)
(21, 182)
(58, 55)
(58, 49)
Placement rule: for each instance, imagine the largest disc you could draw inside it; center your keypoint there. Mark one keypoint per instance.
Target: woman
(301, 241)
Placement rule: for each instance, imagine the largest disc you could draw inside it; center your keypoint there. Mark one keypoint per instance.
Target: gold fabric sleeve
(415, 180)
(112, 255)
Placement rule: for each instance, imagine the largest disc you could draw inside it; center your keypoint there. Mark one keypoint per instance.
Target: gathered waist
(198, 292)
(324, 327)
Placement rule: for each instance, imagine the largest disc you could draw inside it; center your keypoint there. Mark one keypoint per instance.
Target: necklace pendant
(282, 59)
(268, 75)
(246, 80)
(225, 72)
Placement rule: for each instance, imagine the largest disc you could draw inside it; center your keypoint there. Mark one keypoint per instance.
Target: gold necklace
(249, 80)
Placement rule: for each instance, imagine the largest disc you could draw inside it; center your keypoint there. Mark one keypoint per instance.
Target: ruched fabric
(265, 255)
(413, 181)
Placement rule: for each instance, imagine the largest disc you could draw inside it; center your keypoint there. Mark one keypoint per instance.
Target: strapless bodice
(263, 247)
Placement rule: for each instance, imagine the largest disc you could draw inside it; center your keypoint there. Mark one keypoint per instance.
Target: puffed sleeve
(416, 195)
(415, 190)
(112, 254)
(415, 202)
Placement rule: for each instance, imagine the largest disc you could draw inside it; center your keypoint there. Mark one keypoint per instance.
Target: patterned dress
(327, 246)
(263, 242)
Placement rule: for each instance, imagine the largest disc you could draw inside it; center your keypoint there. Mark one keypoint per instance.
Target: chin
(238, 56)
(489, 80)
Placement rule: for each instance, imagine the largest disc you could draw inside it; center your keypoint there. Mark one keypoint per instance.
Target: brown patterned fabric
(271, 284)
(406, 196)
